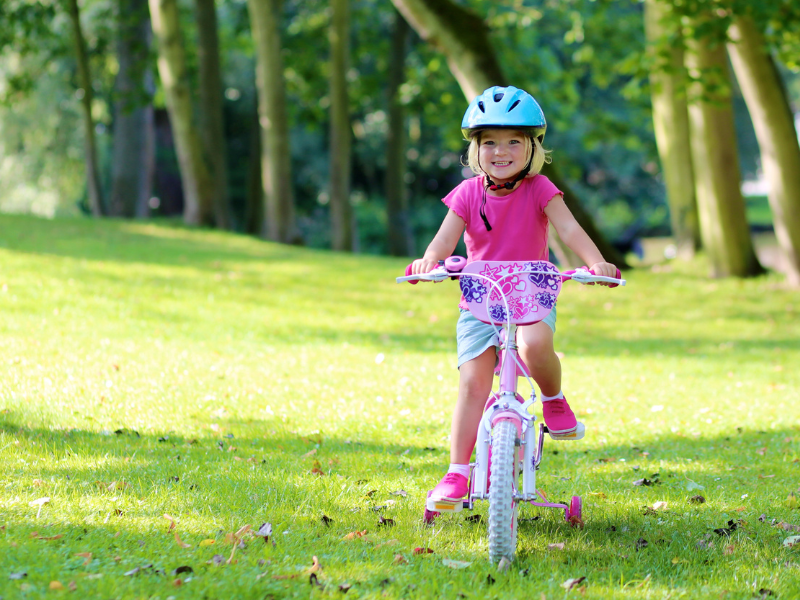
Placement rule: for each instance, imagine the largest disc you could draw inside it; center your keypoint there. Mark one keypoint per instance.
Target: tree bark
(254, 207)
(211, 115)
(276, 166)
(400, 239)
(197, 188)
(723, 222)
(463, 38)
(671, 125)
(769, 108)
(131, 179)
(342, 236)
(94, 189)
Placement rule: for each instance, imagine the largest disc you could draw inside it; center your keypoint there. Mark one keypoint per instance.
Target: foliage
(152, 370)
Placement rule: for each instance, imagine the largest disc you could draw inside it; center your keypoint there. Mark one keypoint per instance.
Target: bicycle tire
(502, 506)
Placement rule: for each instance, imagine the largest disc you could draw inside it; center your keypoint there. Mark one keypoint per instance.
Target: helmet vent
(480, 105)
(498, 96)
(510, 108)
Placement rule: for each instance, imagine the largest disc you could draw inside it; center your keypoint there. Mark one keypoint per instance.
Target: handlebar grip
(408, 272)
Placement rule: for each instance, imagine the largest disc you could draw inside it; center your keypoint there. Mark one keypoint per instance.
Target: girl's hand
(423, 265)
(605, 270)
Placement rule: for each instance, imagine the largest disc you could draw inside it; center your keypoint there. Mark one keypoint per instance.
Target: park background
(184, 356)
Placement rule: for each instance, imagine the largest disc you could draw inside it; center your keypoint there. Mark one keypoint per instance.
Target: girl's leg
(474, 386)
(536, 350)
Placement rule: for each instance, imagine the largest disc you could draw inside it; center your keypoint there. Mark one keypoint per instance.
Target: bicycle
(508, 294)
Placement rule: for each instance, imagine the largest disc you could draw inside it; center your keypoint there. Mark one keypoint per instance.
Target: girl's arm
(443, 244)
(573, 235)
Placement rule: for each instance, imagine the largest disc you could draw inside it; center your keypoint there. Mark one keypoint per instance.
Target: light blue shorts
(473, 337)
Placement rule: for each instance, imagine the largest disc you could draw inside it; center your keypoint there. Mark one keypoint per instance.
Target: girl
(506, 210)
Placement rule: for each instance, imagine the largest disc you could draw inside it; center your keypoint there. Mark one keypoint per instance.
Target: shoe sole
(576, 433)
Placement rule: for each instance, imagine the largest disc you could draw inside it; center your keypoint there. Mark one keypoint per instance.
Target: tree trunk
(767, 102)
(197, 189)
(131, 178)
(463, 38)
(400, 239)
(276, 166)
(95, 191)
(723, 223)
(211, 115)
(342, 237)
(671, 124)
(254, 207)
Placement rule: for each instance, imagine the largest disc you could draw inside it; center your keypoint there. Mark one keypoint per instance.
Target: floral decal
(498, 313)
(522, 305)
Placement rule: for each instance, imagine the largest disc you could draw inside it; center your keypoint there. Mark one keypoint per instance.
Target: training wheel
(430, 515)
(575, 512)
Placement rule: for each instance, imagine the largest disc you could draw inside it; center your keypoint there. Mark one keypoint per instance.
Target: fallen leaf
(181, 543)
(489, 579)
(177, 583)
(317, 471)
(787, 526)
(20, 575)
(401, 493)
(208, 542)
(217, 560)
(183, 569)
(72, 586)
(474, 519)
(309, 453)
(385, 522)
(171, 522)
(729, 550)
(86, 556)
(56, 585)
(455, 564)
(660, 505)
(355, 534)
(697, 499)
(732, 525)
(423, 550)
(764, 592)
(766, 476)
(326, 520)
(761, 451)
(344, 587)
(597, 494)
(571, 583)
(399, 559)
(792, 541)
(137, 570)
(640, 543)
(558, 546)
(265, 531)
(641, 482)
(677, 560)
(38, 483)
(387, 543)
(576, 521)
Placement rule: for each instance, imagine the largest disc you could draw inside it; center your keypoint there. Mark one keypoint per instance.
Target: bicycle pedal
(444, 505)
(571, 436)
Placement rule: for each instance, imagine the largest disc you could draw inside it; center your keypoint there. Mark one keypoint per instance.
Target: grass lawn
(150, 370)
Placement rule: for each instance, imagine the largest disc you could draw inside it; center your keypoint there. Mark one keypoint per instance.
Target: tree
(95, 191)
(211, 116)
(134, 133)
(342, 234)
(773, 121)
(275, 145)
(723, 222)
(197, 185)
(671, 123)
(463, 38)
(400, 239)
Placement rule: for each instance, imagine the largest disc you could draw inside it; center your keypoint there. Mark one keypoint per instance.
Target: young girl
(505, 210)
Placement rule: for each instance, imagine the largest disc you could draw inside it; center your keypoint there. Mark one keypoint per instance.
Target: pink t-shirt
(519, 225)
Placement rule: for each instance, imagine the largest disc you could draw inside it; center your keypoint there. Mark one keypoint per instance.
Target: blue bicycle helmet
(501, 107)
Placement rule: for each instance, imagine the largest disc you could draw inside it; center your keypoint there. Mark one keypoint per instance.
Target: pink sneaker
(452, 488)
(560, 420)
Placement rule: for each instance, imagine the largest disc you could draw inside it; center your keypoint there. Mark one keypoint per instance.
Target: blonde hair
(540, 155)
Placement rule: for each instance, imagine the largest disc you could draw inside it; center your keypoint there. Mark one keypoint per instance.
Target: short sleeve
(456, 201)
(546, 191)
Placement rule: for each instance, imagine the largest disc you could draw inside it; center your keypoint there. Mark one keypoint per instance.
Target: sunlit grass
(148, 369)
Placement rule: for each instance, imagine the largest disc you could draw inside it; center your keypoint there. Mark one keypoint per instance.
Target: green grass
(213, 373)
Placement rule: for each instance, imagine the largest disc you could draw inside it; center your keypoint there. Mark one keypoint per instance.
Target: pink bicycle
(508, 294)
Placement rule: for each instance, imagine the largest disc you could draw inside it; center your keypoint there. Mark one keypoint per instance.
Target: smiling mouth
(501, 164)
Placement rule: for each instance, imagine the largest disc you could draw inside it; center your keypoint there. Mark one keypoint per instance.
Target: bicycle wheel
(502, 506)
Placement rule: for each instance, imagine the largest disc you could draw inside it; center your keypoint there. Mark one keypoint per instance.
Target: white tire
(502, 486)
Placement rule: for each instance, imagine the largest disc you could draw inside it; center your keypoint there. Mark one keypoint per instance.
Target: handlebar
(582, 275)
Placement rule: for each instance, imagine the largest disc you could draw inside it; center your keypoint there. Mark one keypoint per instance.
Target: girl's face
(503, 153)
